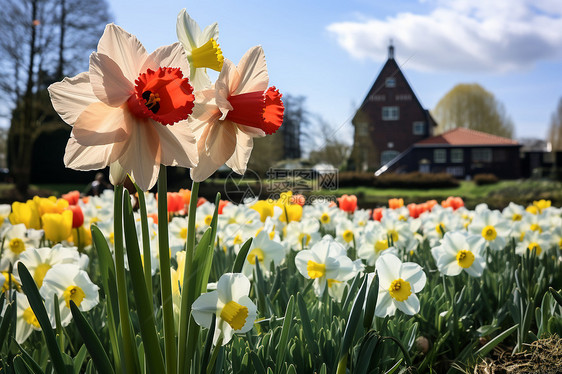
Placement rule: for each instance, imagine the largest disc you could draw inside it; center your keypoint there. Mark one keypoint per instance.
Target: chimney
(390, 51)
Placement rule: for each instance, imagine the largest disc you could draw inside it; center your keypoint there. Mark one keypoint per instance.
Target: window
(362, 129)
(403, 97)
(374, 97)
(455, 171)
(390, 82)
(387, 156)
(457, 155)
(390, 113)
(419, 128)
(482, 155)
(439, 156)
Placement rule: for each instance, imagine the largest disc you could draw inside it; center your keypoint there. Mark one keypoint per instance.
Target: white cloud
(461, 35)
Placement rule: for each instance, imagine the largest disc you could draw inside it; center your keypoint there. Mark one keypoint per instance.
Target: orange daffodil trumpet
(129, 110)
(228, 116)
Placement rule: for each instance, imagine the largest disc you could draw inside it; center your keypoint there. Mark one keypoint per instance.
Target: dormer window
(390, 82)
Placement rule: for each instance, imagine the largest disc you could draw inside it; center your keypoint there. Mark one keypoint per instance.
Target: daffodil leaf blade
(78, 360)
(371, 303)
(91, 342)
(312, 344)
(29, 361)
(287, 322)
(241, 257)
(36, 303)
(353, 320)
(482, 352)
(147, 322)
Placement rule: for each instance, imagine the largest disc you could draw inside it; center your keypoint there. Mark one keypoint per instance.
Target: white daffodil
(534, 241)
(347, 233)
(456, 253)
(201, 48)
(398, 232)
(68, 282)
(204, 216)
(234, 310)
(5, 210)
(26, 322)
(265, 251)
(325, 212)
(398, 284)
(40, 260)
(18, 239)
(374, 244)
(327, 260)
(513, 212)
(491, 228)
(302, 234)
(437, 222)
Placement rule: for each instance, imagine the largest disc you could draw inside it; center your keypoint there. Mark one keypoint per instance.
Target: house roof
(462, 136)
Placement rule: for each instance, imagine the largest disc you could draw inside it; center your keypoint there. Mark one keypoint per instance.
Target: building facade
(389, 121)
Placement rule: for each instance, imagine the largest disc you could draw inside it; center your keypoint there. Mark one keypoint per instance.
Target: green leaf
(91, 341)
(371, 302)
(5, 324)
(353, 320)
(288, 320)
(365, 355)
(19, 366)
(482, 352)
(311, 341)
(209, 342)
(143, 304)
(556, 295)
(80, 357)
(241, 257)
(258, 365)
(36, 302)
(29, 361)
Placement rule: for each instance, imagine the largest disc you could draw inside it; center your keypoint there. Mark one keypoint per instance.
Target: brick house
(462, 153)
(389, 121)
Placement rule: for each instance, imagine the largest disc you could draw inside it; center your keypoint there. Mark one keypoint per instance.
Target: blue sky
(331, 51)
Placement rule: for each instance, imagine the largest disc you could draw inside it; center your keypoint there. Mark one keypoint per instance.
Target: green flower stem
(165, 278)
(131, 362)
(145, 243)
(184, 357)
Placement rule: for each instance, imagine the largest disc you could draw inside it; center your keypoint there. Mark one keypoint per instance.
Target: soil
(542, 356)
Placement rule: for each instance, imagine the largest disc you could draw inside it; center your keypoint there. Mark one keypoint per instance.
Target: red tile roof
(463, 136)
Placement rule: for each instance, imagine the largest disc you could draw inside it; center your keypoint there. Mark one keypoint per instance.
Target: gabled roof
(462, 136)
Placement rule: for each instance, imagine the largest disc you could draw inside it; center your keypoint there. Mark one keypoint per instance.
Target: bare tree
(38, 38)
(555, 130)
(329, 146)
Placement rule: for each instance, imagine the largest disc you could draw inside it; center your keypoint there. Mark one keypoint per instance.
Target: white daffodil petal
(204, 307)
(108, 83)
(253, 72)
(100, 124)
(410, 306)
(71, 96)
(123, 48)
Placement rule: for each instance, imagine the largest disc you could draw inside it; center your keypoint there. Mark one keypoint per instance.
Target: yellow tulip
(50, 204)
(25, 213)
(264, 208)
(57, 226)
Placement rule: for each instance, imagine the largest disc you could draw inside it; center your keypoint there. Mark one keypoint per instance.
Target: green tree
(555, 130)
(471, 106)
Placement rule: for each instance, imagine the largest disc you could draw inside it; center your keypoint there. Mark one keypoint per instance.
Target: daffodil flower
(325, 262)
(374, 244)
(40, 260)
(123, 109)
(534, 241)
(456, 254)
(17, 240)
(68, 282)
(398, 284)
(264, 251)
(238, 109)
(201, 48)
(491, 228)
(234, 310)
(26, 321)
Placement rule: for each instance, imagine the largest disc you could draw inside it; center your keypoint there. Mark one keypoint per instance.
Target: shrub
(482, 179)
(416, 180)
(354, 179)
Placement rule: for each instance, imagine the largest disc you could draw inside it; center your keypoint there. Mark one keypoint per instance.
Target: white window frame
(418, 128)
(385, 156)
(457, 155)
(390, 113)
(390, 82)
(440, 155)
